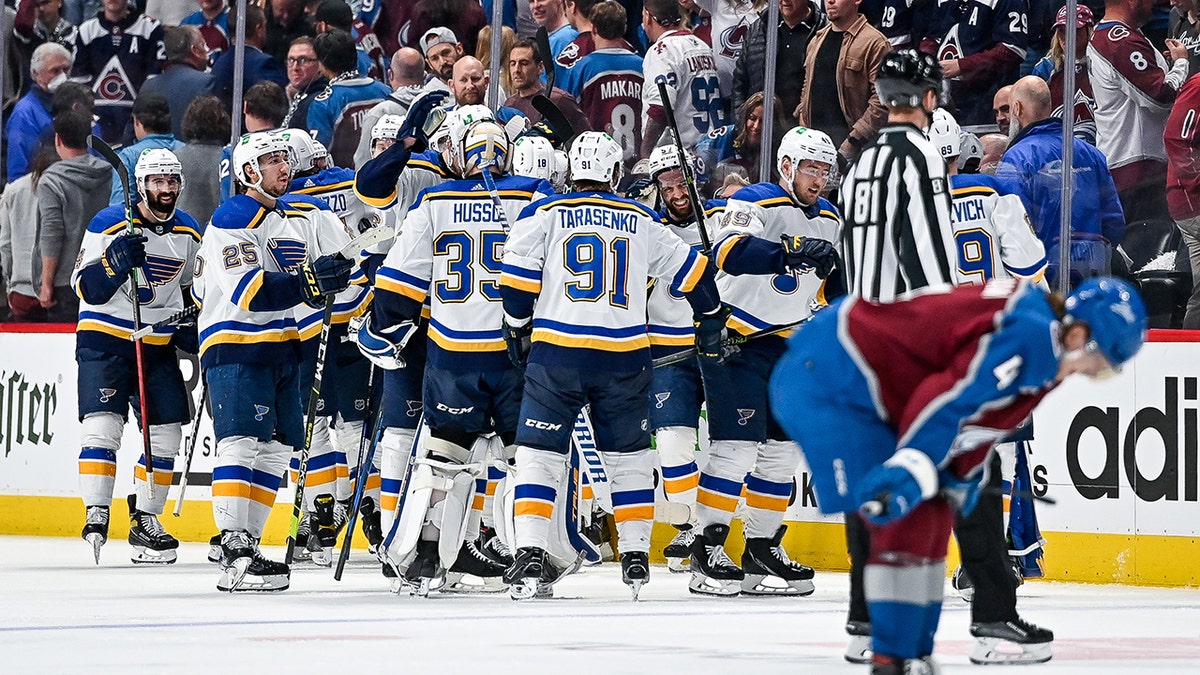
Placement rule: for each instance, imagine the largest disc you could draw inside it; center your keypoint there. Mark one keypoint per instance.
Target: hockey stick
(731, 341)
(96, 143)
(191, 447)
(553, 117)
(542, 40)
(364, 471)
(173, 320)
(689, 176)
(309, 423)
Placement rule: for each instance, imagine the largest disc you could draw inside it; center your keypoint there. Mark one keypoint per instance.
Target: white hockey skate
(95, 529)
(1010, 642)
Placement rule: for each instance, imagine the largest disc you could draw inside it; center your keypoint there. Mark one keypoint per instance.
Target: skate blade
(635, 587)
(322, 558)
(679, 565)
(214, 554)
(146, 556)
(233, 575)
(994, 651)
(457, 582)
(96, 540)
(703, 585)
(524, 589)
(765, 584)
(264, 584)
(859, 649)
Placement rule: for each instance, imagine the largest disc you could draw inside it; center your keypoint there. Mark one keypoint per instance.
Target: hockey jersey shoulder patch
(238, 213)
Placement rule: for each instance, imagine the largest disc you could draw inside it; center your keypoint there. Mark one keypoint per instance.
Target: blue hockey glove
(414, 122)
(644, 190)
(711, 334)
(809, 254)
(892, 490)
(124, 254)
(187, 339)
(382, 347)
(327, 275)
(518, 339)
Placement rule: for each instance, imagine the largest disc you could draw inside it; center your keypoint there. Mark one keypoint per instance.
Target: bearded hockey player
(161, 245)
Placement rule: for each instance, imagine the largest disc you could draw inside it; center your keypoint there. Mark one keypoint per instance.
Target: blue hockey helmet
(1114, 312)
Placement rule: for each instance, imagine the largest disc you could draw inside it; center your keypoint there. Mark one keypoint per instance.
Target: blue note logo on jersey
(660, 398)
(260, 411)
(159, 270)
(289, 254)
(106, 394)
(744, 415)
(414, 408)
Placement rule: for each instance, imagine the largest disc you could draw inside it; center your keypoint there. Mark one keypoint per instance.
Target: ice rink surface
(62, 614)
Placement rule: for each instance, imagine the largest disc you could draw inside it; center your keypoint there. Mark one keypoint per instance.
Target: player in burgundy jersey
(608, 81)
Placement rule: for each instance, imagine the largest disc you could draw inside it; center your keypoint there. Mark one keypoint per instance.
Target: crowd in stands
(161, 74)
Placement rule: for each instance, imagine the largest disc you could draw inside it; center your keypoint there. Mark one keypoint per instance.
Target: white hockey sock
(164, 444)
(321, 477)
(631, 477)
(100, 438)
(677, 455)
(539, 475)
(346, 438)
(769, 488)
(721, 481)
(231, 483)
(395, 449)
(269, 466)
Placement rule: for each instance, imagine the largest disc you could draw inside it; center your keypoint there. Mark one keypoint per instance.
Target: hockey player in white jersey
(576, 268)
(262, 256)
(991, 228)
(161, 246)
(690, 71)
(775, 254)
(534, 156)
(676, 389)
(449, 255)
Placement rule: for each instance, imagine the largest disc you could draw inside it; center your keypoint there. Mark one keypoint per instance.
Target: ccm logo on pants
(544, 426)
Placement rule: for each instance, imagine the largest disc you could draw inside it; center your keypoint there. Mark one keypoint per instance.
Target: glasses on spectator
(299, 60)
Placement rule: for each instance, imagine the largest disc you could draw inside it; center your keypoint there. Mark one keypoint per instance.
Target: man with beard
(262, 256)
(160, 244)
(441, 49)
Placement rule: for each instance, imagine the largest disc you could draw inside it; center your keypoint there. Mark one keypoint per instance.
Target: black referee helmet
(905, 75)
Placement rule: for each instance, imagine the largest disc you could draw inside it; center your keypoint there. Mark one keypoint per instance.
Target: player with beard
(161, 246)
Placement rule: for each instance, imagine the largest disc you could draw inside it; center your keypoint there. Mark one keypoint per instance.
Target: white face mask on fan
(53, 85)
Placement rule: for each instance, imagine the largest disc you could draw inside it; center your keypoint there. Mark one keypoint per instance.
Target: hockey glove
(711, 335)
(187, 339)
(962, 493)
(518, 339)
(892, 490)
(382, 347)
(125, 253)
(327, 275)
(809, 254)
(414, 123)
(643, 190)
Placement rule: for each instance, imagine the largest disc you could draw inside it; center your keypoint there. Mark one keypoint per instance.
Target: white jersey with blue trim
(244, 241)
(170, 255)
(761, 301)
(423, 170)
(349, 303)
(589, 256)
(450, 253)
(992, 232)
(335, 187)
(730, 20)
(693, 83)
(669, 316)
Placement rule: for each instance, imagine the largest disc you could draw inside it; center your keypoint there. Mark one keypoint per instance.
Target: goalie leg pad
(460, 471)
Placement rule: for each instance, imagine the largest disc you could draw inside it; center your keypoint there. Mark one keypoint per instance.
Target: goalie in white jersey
(262, 256)
(775, 252)
(574, 287)
(690, 71)
(161, 247)
(449, 256)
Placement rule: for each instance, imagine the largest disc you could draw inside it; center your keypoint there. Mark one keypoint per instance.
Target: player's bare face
(809, 180)
(276, 173)
(674, 194)
(754, 127)
(381, 144)
(1082, 356)
(162, 192)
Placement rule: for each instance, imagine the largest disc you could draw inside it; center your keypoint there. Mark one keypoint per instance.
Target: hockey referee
(897, 235)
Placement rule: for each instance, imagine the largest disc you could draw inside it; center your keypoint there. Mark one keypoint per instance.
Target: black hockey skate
(527, 572)
(151, 543)
(493, 547)
(892, 665)
(963, 584)
(475, 571)
(859, 648)
(678, 551)
(769, 571)
(424, 570)
(214, 549)
(244, 568)
(635, 570)
(329, 517)
(995, 642)
(372, 529)
(95, 529)
(713, 572)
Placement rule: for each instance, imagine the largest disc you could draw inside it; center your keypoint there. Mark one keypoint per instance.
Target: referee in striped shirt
(897, 235)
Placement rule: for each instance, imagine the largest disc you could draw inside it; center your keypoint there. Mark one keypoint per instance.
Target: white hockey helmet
(253, 147)
(387, 127)
(533, 156)
(595, 156)
(970, 152)
(483, 145)
(156, 162)
(302, 150)
(664, 158)
(801, 143)
(320, 154)
(945, 134)
(561, 169)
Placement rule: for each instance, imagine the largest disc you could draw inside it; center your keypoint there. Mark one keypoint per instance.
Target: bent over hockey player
(161, 245)
(449, 255)
(775, 252)
(897, 409)
(259, 260)
(585, 259)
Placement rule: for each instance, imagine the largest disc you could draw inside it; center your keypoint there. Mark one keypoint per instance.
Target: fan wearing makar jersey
(775, 251)
(897, 409)
(161, 245)
(574, 283)
(264, 259)
(448, 256)
(342, 407)
(690, 71)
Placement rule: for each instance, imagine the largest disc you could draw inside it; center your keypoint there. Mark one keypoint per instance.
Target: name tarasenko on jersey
(598, 217)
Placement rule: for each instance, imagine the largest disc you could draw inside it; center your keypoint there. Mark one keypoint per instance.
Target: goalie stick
(96, 143)
(689, 175)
